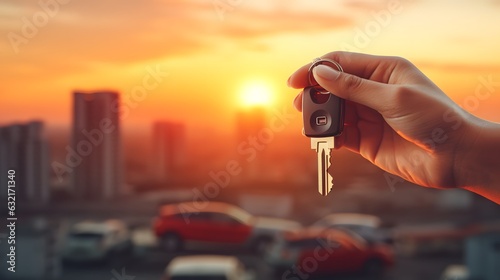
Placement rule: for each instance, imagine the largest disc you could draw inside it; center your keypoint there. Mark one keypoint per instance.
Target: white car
(206, 267)
(455, 272)
(96, 241)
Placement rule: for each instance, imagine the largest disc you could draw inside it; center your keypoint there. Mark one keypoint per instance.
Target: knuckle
(341, 57)
(402, 62)
(399, 94)
(351, 82)
(402, 94)
(403, 90)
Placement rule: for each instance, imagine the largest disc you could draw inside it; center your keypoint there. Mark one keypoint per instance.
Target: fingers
(375, 95)
(297, 102)
(361, 65)
(299, 79)
(349, 138)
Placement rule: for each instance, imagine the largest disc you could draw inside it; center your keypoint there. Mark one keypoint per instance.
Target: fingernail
(325, 72)
(288, 81)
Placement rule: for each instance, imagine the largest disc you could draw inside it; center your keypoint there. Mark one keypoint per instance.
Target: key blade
(328, 176)
(324, 178)
(323, 147)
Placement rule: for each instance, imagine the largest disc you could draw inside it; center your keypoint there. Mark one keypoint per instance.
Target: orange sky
(210, 55)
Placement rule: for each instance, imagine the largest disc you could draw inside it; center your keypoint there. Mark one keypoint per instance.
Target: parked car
(96, 241)
(431, 239)
(325, 252)
(178, 224)
(367, 226)
(206, 267)
(455, 272)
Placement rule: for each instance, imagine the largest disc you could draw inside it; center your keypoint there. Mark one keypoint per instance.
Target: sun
(256, 93)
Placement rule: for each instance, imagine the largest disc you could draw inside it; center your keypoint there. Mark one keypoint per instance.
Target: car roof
(456, 272)
(95, 227)
(202, 265)
(212, 207)
(352, 219)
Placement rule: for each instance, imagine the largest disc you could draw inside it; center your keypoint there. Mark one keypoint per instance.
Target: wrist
(477, 169)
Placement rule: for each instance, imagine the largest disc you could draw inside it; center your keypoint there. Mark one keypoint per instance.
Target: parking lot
(150, 263)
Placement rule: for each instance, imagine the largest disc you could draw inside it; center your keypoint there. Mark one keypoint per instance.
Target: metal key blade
(323, 147)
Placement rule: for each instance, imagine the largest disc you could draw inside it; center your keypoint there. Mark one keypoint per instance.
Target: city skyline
(90, 165)
(214, 58)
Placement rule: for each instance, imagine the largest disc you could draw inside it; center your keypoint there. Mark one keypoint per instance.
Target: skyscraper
(24, 149)
(249, 122)
(250, 126)
(96, 143)
(169, 150)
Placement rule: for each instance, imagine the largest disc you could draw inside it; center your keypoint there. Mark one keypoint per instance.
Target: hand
(399, 120)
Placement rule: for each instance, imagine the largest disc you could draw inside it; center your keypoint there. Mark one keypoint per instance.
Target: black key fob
(322, 113)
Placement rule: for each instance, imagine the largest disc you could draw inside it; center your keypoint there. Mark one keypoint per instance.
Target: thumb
(350, 87)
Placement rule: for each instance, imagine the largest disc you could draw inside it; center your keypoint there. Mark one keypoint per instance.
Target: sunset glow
(212, 54)
(256, 94)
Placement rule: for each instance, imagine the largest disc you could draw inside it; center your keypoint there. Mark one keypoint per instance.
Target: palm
(382, 141)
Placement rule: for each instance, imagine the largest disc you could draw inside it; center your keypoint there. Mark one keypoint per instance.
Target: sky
(194, 61)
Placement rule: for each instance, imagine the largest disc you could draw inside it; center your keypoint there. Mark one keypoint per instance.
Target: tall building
(96, 146)
(250, 122)
(251, 126)
(24, 149)
(169, 149)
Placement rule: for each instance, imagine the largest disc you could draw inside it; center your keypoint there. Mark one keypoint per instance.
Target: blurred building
(36, 255)
(252, 136)
(169, 149)
(250, 122)
(96, 146)
(24, 149)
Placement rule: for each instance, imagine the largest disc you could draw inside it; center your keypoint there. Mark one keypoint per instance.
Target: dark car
(324, 252)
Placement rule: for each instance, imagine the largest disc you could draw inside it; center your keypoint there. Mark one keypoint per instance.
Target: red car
(179, 224)
(317, 252)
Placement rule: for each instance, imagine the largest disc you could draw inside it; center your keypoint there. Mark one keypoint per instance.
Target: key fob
(322, 113)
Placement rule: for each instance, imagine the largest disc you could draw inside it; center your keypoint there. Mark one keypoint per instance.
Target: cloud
(123, 31)
(87, 33)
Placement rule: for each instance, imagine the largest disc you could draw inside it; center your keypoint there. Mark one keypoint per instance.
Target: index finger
(362, 65)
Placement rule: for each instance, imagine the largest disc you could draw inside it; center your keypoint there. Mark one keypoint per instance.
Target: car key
(323, 119)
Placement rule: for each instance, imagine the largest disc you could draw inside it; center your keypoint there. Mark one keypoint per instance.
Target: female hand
(402, 122)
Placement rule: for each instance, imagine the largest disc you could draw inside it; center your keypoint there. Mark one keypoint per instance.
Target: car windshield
(304, 243)
(354, 235)
(241, 215)
(86, 235)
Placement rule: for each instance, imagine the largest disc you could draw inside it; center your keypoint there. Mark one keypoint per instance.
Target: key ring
(319, 61)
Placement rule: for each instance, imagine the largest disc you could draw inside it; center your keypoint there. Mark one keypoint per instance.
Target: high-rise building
(251, 136)
(96, 145)
(24, 149)
(250, 122)
(169, 150)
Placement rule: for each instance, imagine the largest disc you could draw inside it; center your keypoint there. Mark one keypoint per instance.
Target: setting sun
(256, 94)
